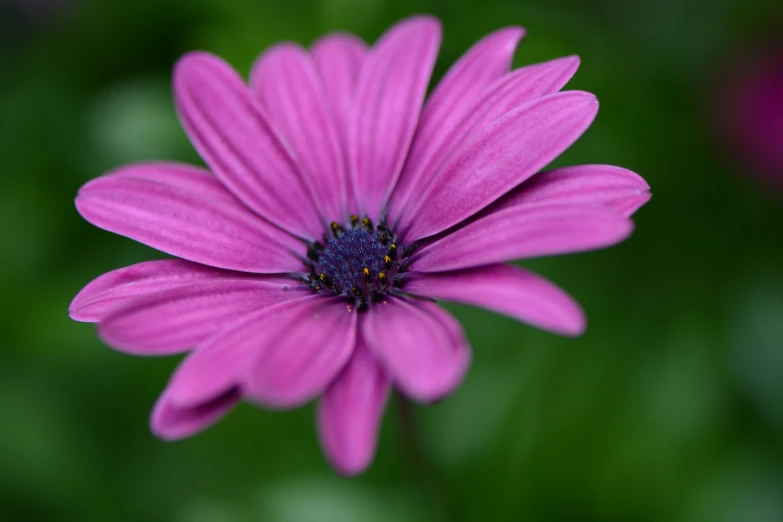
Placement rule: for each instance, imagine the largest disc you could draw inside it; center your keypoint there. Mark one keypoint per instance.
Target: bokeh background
(670, 408)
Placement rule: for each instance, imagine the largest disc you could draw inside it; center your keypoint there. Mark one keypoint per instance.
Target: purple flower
(339, 206)
(749, 110)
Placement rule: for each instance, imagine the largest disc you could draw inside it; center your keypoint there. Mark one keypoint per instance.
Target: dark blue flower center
(360, 261)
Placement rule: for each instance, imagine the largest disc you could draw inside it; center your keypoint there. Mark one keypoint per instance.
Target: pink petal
(420, 345)
(511, 91)
(171, 422)
(604, 185)
(118, 287)
(339, 58)
(455, 96)
(300, 349)
(188, 215)
(287, 83)
(222, 362)
(233, 135)
(524, 232)
(390, 91)
(500, 157)
(179, 318)
(350, 413)
(185, 177)
(209, 370)
(505, 289)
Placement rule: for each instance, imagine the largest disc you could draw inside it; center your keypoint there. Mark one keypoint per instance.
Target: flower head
(338, 206)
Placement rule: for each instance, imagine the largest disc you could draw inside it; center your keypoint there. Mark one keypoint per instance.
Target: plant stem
(411, 436)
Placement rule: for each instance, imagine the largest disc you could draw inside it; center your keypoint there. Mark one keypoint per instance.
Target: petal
(603, 185)
(286, 82)
(171, 422)
(191, 216)
(524, 232)
(390, 91)
(220, 364)
(500, 157)
(455, 96)
(511, 91)
(212, 368)
(233, 135)
(420, 345)
(174, 320)
(505, 289)
(350, 413)
(183, 176)
(339, 58)
(117, 287)
(298, 349)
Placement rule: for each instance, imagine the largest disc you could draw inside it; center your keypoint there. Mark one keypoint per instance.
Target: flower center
(361, 261)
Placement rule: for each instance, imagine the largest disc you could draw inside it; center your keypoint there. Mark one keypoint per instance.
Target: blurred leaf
(755, 329)
(133, 121)
(338, 500)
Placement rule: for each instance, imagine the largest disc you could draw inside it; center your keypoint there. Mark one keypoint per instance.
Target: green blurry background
(670, 408)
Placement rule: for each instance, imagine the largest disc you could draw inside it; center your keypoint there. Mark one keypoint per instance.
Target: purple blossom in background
(338, 206)
(750, 111)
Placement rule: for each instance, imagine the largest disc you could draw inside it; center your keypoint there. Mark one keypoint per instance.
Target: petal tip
(78, 302)
(158, 425)
(438, 389)
(513, 34)
(193, 59)
(585, 97)
(83, 201)
(643, 196)
(338, 38)
(161, 434)
(576, 326)
(169, 423)
(427, 19)
(76, 313)
(423, 22)
(586, 104)
(574, 61)
(350, 469)
(194, 68)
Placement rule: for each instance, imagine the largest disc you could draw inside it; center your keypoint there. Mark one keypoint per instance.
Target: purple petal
(420, 345)
(233, 135)
(505, 289)
(214, 367)
(511, 91)
(299, 348)
(287, 83)
(339, 58)
(172, 422)
(218, 365)
(188, 215)
(222, 362)
(174, 320)
(603, 185)
(454, 97)
(117, 287)
(524, 232)
(500, 157)
(390, 91)
(350, 413)
(185, 177)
